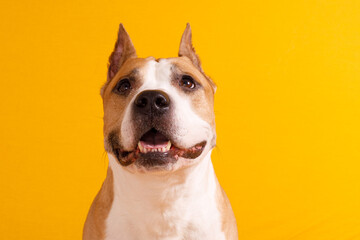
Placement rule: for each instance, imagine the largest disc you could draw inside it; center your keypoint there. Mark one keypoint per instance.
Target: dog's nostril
(141, 102)
(161, 102)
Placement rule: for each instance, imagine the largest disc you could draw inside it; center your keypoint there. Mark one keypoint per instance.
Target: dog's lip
(156, 145)
(128, 157)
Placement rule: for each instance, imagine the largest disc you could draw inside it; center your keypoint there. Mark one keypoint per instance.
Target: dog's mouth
(154, 141)
(155, 149)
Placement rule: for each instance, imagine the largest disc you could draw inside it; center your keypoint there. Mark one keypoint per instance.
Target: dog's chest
(182, 220)
(185, 210)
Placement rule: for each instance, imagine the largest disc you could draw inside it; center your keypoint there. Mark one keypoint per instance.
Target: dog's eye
(187, 82)
(123, 86)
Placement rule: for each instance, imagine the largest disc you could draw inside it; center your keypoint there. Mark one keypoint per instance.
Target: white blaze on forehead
(189, 128)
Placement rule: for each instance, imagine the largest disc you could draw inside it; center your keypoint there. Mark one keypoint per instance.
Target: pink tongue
(153, 139)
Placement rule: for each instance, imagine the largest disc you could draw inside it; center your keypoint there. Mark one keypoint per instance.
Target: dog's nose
(152, 102)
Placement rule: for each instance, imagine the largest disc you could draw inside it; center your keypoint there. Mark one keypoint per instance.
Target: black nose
(152, 102)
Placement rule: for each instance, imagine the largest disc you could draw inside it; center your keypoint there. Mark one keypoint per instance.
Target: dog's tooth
(155, 150)
(167, 148)
(145, 150)
(140, 147)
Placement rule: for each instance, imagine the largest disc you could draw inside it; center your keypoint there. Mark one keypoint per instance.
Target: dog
(159, 131)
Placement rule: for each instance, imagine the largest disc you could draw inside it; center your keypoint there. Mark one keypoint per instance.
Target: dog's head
(158, 113)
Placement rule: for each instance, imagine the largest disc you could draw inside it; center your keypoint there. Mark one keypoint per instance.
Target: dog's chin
(156, 152)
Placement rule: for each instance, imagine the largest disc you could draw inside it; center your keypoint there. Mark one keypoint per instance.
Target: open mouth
(154, 141)
(155, 149)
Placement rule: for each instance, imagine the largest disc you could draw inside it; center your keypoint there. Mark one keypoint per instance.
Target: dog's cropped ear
(187, 49)
(124, 49)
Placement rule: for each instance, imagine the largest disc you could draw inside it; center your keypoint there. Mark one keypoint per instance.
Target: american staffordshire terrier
(159, 131)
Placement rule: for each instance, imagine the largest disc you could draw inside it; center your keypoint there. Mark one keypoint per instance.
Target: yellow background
(287, 109)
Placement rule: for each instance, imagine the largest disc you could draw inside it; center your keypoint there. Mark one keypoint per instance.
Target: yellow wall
(287, 109)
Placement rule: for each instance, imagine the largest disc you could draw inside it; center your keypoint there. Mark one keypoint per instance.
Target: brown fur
(228, 223)
(114, 105)
(186, 48)
(201, 96)
(94, 228)
(123, 50)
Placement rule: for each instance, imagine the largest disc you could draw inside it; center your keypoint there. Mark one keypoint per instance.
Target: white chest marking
(177, 206)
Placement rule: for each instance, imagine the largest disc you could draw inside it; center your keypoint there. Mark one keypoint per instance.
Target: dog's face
(158, 113)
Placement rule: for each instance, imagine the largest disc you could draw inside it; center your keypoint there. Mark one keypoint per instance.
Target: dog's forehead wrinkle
(135, 72)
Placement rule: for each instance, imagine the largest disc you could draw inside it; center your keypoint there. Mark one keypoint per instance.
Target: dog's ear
(124, 49)
(187, 49)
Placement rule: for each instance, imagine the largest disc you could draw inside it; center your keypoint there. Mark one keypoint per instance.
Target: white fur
(167, 206)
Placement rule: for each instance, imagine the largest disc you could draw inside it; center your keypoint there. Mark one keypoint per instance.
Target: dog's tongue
(153, 139)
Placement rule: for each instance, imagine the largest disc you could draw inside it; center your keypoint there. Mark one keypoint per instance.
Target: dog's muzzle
(152, 115)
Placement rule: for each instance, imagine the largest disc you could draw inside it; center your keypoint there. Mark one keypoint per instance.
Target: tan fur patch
(228, 223)
(205, 95)
(94, 228)
(114, 105)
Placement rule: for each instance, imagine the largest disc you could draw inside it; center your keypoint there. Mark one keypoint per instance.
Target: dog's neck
(152, 203)
(189, 182)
